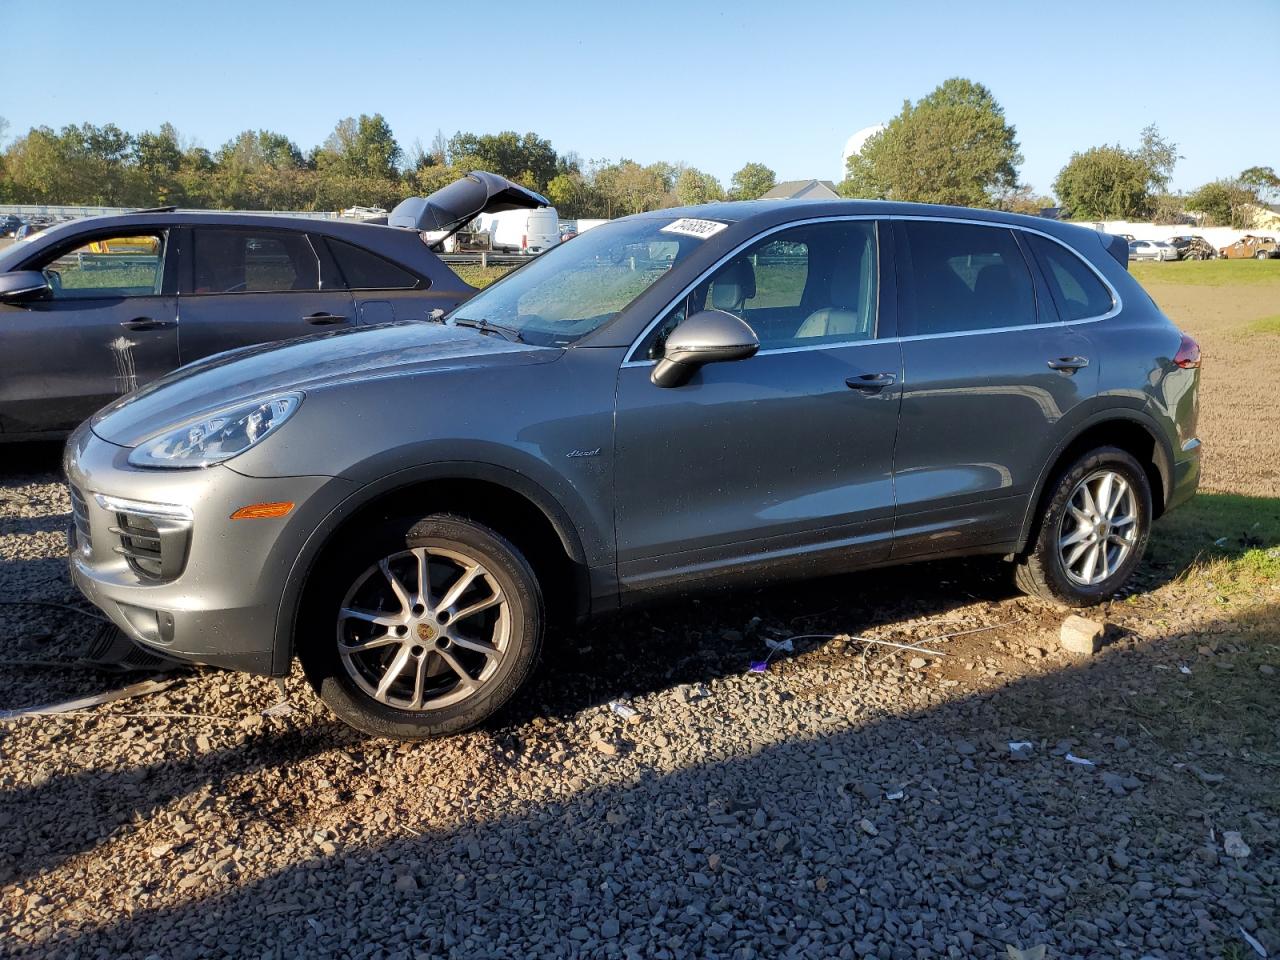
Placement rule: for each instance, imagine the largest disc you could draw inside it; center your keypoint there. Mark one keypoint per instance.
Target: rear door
(990, 369)
(109, 327)
(246, 285)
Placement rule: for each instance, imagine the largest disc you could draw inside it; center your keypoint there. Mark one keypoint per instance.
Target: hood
(464, 200)
(313, 363)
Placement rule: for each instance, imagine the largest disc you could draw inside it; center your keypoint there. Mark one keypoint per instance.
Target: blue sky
(712, 84)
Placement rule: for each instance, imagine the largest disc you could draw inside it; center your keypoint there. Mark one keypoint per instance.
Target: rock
(867, 827)
(1081, 635)
(1037, 653)
(1233, 844)
(965, 748)
(607, 747)
(918, 663)
(1266, 669)
(405, 883)
(609, 928)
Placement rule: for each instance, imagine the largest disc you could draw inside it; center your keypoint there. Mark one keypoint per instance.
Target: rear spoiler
(1117, 246)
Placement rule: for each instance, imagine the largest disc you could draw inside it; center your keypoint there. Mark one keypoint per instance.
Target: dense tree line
(954, 145)
(360, 162)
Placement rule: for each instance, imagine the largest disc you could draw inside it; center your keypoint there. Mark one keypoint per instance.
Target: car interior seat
(733, 287)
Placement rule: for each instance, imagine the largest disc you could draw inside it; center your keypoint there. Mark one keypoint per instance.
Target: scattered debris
(867, 827)
(896, 793)
(1205, 776)
(625, 710)
(1082, 635)
(889, 643)
(1233, 844)
(1258, 948)
(1072, 758)
(142, 689)
(786, 646)
(281, 709)
(1183, 668)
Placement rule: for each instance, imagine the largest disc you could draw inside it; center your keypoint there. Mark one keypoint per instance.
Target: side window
(246, 261)
(964, 277)
(805, 286)
(123, 266)
(363, 270)
(1076, 286)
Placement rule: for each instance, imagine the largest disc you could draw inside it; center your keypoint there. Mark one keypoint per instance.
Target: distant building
(803, 190)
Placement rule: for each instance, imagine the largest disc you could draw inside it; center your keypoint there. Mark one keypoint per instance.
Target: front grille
(80, 517)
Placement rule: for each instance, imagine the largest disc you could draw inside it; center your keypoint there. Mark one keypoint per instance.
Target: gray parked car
(673, 401)
(92, 309)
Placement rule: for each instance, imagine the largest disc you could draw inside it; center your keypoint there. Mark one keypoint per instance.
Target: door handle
(324, 319)
(1069, 364)
(146, 323)
(871, 382)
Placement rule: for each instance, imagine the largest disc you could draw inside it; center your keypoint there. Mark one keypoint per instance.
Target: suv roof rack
(169, 209)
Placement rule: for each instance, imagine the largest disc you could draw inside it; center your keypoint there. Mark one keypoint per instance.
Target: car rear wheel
(1092, 532)
(1262, 255)
(422, 629)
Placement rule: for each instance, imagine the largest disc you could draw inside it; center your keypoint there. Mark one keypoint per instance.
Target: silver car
(1152, 250)
(675, 401)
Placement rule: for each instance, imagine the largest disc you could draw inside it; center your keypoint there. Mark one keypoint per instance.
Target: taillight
(524, 242)
(1188, 355)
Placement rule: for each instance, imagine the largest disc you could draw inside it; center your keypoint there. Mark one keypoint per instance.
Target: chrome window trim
(1116, 303)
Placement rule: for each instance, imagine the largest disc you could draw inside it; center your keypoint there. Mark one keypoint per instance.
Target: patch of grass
(1217, 527)
(479, 276)
(1208, 273)
(1266, 325)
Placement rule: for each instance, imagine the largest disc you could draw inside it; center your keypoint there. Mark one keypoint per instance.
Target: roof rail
(169, 209)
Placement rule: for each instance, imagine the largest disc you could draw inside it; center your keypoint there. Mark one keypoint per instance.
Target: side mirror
(24, 285)
(712, 336)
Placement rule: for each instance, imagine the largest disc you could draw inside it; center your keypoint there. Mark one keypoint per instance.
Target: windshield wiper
(488, 326)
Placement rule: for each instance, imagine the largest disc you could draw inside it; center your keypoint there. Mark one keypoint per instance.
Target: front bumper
(221, 604)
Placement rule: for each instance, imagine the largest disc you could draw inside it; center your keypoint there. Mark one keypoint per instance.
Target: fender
(304, 564)
(1163, 454)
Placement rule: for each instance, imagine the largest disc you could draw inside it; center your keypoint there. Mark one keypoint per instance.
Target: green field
(1208, 273)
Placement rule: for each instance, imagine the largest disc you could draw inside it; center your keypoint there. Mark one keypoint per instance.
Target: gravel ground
(852, 800)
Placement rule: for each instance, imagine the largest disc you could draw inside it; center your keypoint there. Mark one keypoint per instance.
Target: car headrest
(733, 286)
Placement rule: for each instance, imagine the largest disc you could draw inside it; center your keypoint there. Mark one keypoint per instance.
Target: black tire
(1262, 255)
(350, 567)
(1043, 571)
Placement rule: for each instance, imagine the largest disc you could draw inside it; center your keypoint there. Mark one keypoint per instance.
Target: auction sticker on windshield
(692, 227)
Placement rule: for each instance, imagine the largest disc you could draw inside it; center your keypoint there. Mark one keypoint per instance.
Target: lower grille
(80, 517)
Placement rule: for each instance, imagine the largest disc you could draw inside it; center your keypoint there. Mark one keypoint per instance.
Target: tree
(693, 186)
(362, 147)
(953, 146)
(1262, 180)
(1112, 183)
(527, 158)
(752, 182)
(626, 187)
(1104, 183)
(1225, 203)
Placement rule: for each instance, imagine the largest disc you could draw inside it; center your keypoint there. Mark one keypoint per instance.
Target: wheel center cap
(426, 632)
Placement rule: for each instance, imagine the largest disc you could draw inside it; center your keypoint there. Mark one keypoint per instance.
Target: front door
(109, 326)
(988, 374)
(777, 462)
(246, 285)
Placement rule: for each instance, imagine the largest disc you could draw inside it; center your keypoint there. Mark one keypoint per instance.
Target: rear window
(246, 261)
(965, 277)
(363, 270)
(1079, 292)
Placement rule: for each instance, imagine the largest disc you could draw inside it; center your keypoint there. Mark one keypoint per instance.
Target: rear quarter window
(1079, 292)
(363, 270)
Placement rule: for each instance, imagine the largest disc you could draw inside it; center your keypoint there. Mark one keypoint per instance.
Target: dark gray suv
(673, 401)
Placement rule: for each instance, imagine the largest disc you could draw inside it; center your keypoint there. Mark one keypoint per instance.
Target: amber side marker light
(263, 511)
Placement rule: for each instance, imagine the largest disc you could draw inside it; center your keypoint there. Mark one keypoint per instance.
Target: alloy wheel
(424, 628)
(1099, 527)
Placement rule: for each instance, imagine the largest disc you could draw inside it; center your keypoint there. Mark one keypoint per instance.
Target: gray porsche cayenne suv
(672, 401)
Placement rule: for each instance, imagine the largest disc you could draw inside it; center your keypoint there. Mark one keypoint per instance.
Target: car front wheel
(1092, 532)
(423, 629)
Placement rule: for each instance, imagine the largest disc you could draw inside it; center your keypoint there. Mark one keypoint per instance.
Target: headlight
(218, 436)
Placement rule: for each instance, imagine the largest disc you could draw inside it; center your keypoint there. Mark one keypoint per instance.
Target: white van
(522, 231)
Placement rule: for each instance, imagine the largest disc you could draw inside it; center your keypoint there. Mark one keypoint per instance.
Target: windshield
(581, 284)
